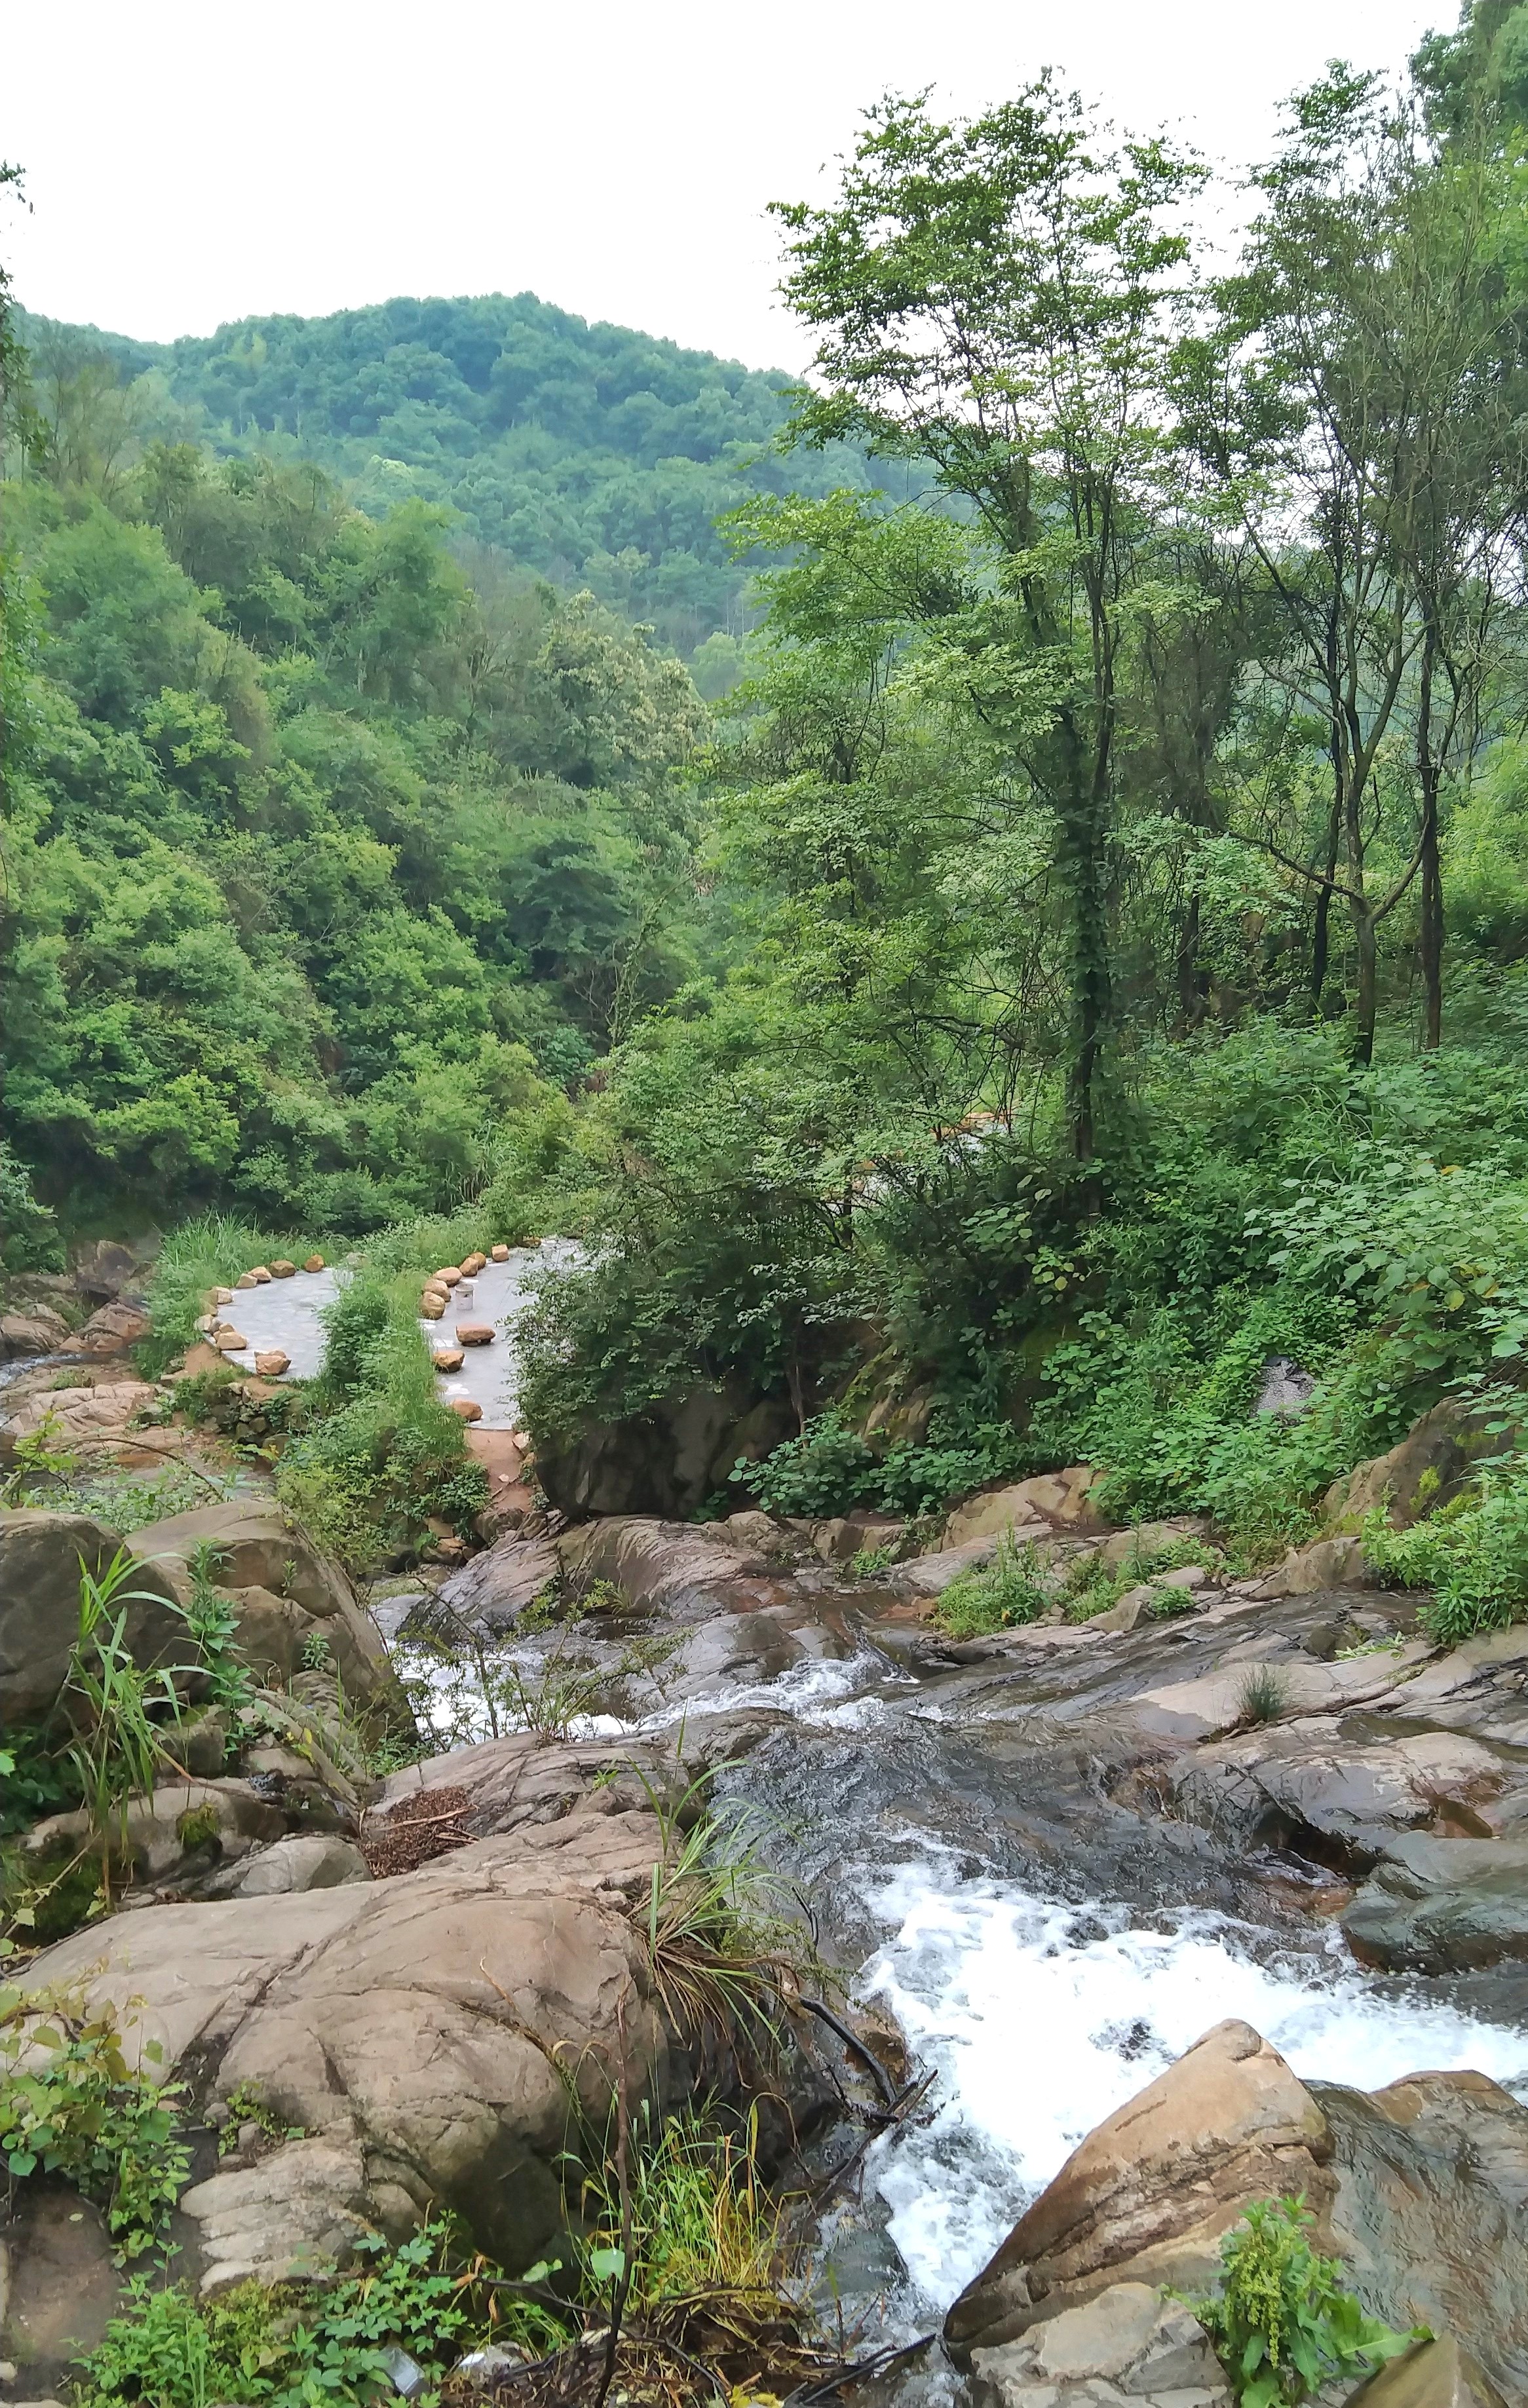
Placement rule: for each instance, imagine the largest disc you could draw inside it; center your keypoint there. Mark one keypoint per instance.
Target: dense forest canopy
(1083, 956)
(595, 456)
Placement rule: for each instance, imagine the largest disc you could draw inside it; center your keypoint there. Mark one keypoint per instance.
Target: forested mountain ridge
(589, 453)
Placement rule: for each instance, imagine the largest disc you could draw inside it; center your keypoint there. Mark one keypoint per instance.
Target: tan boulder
(37, 1332)
(40, 1556)
(465, 1409)
(473, 1264)
(246, 1279)
(1148, 2194)
(1423, 1469)
(426, 2030)
(1435, 2374)
(431, 1309)
(448, 1358)
(314, 1263)
(272, 1362)
(110, 1331)
(260, 1275)
(229, 1340)
(499, 1253)
(255, 1546)
(179, 1819)
(447, 1277)
(1125, 2345)
(283, 1270)
(1051, 1500)
(475, 1333)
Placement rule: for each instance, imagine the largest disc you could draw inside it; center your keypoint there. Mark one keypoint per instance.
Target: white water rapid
(1042, 2018)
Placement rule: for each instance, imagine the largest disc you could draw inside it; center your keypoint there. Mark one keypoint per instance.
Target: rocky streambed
(1052, 1861)
(1056, 1859)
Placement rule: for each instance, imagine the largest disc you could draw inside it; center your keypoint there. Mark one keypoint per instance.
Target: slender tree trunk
(1367, 935)
(1430, 932)
(1083, 861)
(1193, 986)
(1321, 949)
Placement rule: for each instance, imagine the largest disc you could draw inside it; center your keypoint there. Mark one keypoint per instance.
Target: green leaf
(607, 2265)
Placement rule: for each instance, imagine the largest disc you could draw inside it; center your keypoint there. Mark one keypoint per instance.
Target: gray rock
(102, 1267)
(180, 1820)
(287, 1587)
(1442, 1905)
(929, 1576)
(1126, 2343)
(312, 1860)
(496, 1588)
(424, 2031)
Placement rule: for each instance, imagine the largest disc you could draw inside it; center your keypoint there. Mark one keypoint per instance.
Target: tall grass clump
(385, 1454)
(210, 1250)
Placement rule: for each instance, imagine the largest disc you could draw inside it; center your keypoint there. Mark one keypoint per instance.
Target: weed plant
(1264, 1696)
(1472, 1554)
(71, 2104)
(1281, 2321)
(1016, 1587)
(118, 1752)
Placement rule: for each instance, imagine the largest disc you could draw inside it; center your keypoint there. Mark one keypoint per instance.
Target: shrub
(1016, 1587)
(1282, 2323)
(296, 2347)
(1473, 1555)
(29, 1238)
(71, 2104)
(826, 1471)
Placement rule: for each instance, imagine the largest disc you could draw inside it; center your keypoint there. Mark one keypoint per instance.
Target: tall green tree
(1357, 408)
(997, 298)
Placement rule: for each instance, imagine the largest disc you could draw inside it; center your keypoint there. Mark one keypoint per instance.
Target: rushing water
(1041, 2018)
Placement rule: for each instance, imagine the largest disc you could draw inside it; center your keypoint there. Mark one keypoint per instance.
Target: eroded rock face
(664, 1462)
(422, 2030)
(293, 1589)
(1340, 1801)
(1126, 2344)
(40, 1556)
(1438, 1905)
(1147, 2196)
(1431, 2215)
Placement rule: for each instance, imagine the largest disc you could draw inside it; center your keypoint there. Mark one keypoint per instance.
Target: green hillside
(592, 455)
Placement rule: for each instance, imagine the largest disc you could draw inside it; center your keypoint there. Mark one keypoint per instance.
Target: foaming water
(1042, 2018)
(448, 1694)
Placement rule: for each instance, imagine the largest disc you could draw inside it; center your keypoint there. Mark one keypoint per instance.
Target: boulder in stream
(1421, 2189)
(1438, 1905)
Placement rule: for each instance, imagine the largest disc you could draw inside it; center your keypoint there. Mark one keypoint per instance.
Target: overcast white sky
(189, 162)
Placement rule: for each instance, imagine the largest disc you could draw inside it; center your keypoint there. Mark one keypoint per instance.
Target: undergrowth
(1472, 1554)
(71, 2104)
(1282, 2322)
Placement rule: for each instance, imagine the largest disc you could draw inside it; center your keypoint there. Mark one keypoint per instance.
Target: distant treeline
(592, 455)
